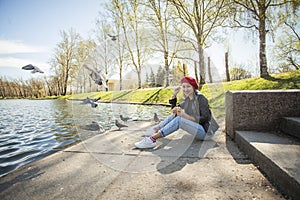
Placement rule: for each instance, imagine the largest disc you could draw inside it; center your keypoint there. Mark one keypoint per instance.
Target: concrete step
(277, 155)
(291, 126)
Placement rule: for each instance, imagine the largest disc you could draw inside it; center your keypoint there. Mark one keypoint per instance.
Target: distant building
(129, 81)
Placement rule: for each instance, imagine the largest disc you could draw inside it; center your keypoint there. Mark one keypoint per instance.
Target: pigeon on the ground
(119, 125)
(124, 119)
(91, 101)
(98, 77)
(156, 119)
(94, 126)
(34, 69)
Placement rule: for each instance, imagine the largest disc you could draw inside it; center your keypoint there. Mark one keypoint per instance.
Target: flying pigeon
(91, 101)
(34, 69)
(119, 125)
(156, 119)
(94, 126)
(124, 119)
(113, 37)
(98, 77)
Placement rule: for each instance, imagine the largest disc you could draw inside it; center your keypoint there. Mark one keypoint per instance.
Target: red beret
(190, 80)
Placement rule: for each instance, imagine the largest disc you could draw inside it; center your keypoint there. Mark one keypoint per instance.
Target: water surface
(33, 129)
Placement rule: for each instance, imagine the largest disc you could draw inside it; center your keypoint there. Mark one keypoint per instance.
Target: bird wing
(89, 68)
(98, 77)
(38, 69)
(87, 100)
(28, 67)
(96, 99)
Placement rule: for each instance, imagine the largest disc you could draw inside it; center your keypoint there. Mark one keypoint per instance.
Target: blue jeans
(171, 124)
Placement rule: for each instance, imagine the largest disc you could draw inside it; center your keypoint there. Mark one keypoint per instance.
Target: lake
(33, 129)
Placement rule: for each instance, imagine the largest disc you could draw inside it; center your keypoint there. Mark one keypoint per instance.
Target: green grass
(215, 92)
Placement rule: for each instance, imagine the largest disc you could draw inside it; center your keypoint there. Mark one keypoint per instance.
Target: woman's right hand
(176, 90)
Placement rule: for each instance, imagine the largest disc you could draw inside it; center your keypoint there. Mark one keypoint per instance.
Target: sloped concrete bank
(107, 166)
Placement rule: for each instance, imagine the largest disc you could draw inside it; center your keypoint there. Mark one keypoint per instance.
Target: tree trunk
(196, 71)
(139, 79)
(227, 67)
(262, 41)
(209, 70)
(121, 80)
(167, 68)
(201, 65)
(184, 69)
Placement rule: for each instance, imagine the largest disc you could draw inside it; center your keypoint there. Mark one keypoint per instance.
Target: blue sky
(30, 30)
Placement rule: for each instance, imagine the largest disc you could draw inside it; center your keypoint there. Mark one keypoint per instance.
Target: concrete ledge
(291, 126)
(277, 156)
(259, 110)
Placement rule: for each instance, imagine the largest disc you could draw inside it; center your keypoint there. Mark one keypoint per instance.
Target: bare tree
(203, 17)
(167, 37)
(105, 54)
(83, 52)
(131, 15)
(64, 59)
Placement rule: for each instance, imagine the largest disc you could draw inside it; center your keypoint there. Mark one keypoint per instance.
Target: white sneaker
(145, 143)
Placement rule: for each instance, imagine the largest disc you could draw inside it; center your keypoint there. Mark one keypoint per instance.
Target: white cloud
(17, 62)
(11, 47)
(13, 62)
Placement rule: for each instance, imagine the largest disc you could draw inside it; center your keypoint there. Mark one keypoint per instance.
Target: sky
(30, 31)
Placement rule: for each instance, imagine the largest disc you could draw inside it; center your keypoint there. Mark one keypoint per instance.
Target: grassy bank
(214, 92)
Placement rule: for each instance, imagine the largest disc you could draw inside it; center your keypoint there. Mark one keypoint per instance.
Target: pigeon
(156, 119)
(34, 69)
(124, 119)
(98, 77)
(94, 126)
(113, 37)
(91, 101)
(119, 125)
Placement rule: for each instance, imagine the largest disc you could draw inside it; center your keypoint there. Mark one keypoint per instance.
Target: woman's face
(187, 89)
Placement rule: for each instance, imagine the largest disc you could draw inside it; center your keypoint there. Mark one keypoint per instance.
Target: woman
(192, 115)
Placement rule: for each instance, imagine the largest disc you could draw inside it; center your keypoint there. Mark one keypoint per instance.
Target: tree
(152, 78)
(83, 53)
(179, 71)
(64, 61)
(120, 41)
(164, 25)
(147, 79)
(160, 77)
(287, 48)
(131, 15)
(238, 73)
(259, 15)
(105, 54)
(203, 17)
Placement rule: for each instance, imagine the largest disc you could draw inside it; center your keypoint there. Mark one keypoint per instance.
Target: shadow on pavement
(175, 154)
(26, 176)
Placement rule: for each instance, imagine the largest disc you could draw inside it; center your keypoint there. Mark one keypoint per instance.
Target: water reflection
(63, 126)
(33, 129)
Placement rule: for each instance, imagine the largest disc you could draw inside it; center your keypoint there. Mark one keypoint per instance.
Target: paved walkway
(108, 166)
